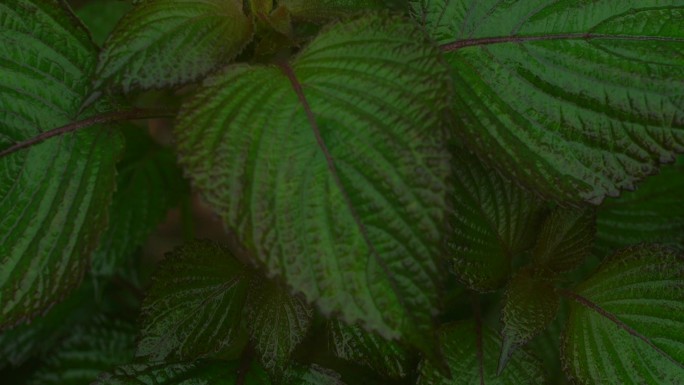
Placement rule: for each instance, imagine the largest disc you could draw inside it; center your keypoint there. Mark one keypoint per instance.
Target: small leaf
(577, 99)
(530, 305)
(90, 350)
(566, 239)
(354, 344)
(493, 221)
(277, 322)
(165, 43)
(148, 185)
(54, 196)
(183, 373)
(313, 375)
(460, 344)
(653, 213)
(319, 10)
(333, 170)
(101, 16)
(626, 321)
(195, 304)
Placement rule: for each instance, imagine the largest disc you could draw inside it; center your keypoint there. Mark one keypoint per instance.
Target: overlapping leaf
(333, 170)
(566, 239)
(163, 43)
(493, 221)
(53, 196)
(313, 375)
(195, 306)
(327, 9)
(101, 16)
(625, 325)
(460, 345)
(577, 99)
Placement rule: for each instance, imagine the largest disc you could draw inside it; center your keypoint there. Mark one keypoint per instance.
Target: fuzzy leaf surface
(165, 43)
(625, 325)
(578, 100)
(333, 171)
(195, 304)
(493, 221)
(653, 213)
(53, 196)
(459, 343)
(566, 239)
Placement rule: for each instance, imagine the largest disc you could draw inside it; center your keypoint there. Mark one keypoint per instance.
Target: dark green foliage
(422, 192)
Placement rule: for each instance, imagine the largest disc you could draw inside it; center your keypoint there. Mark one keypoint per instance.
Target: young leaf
(313, 375)
(473, 357)
(148, 185)
(195, 305)
(566, 239)
(493, 221)
(626, 321)
(277, 322)
(652, 213)
(577, 99)
(90, 350)
(354, 344)
(101, 16)
(333, 171)
(317, 10)
(183, 373)
(164, 43)
(529, 306)
(53, 196)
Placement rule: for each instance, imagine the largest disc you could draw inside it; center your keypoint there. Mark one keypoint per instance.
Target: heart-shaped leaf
(333, 169)
(576, 99)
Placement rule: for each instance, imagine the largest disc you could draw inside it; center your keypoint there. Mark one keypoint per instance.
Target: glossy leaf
(148, 184)
(354, 344)
(90, 350)
(194, 307)
(333, 170)
(101, 16)
(626, 321)
(652, 213)
(165, 43)
(493, 221)
(460, 344)
(54, 195)
(576, 99)
(530, 305)
(566, 239)
(277, 322)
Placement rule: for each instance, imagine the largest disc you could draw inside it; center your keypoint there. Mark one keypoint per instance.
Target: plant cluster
(423, 192)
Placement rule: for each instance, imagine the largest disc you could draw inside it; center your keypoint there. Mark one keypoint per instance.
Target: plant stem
(108, 117)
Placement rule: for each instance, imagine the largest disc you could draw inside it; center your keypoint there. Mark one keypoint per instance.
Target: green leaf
(148, 185)
(493, 221)
(530, 304)
(576, 99)
(333, 170)
(461, 343)
(318, 10)
(566, 239)
(313, 375)
(653, 213)
(101, 16)
(626, 321)
(354, 344)
(53, 196)
(194, 306)
(90, 350)
(164, 43)
(183, 373)
(277, 322)
(546, 346)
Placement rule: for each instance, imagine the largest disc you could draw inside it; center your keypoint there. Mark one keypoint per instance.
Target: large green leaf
(148, 184)
(652, 213)
(354, 344)
(194, 307)
(577, 99)
(163, 43)
(90, 350)
(461, 343)
(333, 171)
(54, 195)
(277, 322)
(493, 221)
(626, 321)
